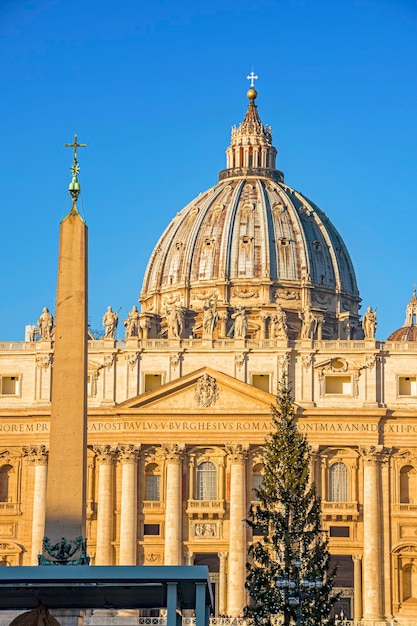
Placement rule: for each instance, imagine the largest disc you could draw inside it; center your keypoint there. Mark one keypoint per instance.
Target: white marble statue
(45, 325)
(110, 321)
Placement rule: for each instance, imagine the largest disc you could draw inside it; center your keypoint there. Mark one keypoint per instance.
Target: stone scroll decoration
(64, 552)
(206, 391)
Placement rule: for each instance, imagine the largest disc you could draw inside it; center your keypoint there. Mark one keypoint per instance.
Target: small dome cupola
(408, 332)
(251, 152)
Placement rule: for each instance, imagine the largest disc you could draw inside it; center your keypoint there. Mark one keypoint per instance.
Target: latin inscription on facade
(213, 425)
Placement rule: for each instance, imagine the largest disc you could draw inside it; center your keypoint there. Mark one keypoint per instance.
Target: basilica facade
(249, 282)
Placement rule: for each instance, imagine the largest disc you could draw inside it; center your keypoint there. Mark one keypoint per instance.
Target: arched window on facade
(338, 483)
(206, 481)
(5, 476)
(257, 479)
(152, 482)
(408, 484)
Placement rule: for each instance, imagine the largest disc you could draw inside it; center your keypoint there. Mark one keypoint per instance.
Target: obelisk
(64, 540)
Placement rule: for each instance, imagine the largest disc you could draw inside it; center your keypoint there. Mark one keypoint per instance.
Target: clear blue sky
(154, 86)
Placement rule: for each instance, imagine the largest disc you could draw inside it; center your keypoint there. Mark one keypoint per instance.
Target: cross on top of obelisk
(74, 186)
(76, 145)
(252, 77)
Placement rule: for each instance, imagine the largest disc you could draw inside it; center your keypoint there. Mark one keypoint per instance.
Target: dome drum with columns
(252, 241)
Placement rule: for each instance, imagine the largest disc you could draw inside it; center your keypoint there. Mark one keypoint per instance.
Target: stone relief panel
(205, 529)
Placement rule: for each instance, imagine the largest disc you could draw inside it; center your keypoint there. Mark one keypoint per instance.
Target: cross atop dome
(252, 77)
(252, 93)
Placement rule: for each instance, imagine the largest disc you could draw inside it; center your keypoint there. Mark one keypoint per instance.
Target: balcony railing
(342, 509)
(205, 506)
(9, 508)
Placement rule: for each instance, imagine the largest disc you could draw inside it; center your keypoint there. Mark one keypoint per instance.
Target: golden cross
(75, 145)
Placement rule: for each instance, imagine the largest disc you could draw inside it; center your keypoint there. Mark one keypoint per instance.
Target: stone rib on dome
(253, 240)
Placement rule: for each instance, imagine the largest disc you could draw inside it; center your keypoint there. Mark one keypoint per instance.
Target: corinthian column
(38, 456)
(128, 455)
(173, 503)
(372, 583)
(105, 464)
(236, 595)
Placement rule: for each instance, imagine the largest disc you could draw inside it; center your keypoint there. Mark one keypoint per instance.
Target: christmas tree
(289, 576)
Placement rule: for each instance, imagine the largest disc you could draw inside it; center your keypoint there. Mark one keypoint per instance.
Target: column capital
(222, 555)
(132, 358)
(105, 453)
(173, 452)
(357, 557)
(128, 453)
(37, 455)
(44, 360)
(236, 452)
(372, 455)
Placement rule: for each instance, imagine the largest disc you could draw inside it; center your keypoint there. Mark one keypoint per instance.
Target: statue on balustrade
(45, 325)
(240, 325)
(279, 328)
(369, 323)
(309, 323)
(210, 318)
(132, 323)
(110, 321)
(175, 321)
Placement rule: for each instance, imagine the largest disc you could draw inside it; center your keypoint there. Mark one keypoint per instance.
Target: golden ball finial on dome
(252, 93)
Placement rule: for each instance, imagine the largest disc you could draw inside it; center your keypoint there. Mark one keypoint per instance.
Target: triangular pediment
(202, 391)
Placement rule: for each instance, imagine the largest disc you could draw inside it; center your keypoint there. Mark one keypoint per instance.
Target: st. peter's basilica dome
(252, 241)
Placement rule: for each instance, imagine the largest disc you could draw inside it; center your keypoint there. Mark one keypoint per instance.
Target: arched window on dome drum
(152, 483)
(338, 483)
(206, 481)
(408, 484)
(5, 472)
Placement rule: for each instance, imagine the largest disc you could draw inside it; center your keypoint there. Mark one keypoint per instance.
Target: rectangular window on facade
(152, 381)
(152, 488)
(339, 531)
(261, 381)
(9, 385)
(151, 529)
(407, 386)
(338, 385)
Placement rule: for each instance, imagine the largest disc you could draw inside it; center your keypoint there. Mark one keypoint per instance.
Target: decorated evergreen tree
(289, 576)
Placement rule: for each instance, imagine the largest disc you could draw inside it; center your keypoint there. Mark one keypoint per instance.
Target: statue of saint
(110, 321)
(279, 328)
(369, 323)
(240, 325)
(309, 323)
(210, 318)
(175, 321)
(132, 323)
(45, 325)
